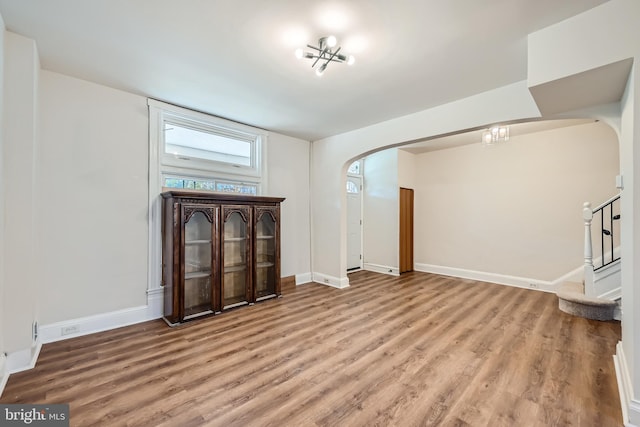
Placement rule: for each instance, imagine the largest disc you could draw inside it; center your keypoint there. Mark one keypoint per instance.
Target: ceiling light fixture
(495, 135)
(325, 53)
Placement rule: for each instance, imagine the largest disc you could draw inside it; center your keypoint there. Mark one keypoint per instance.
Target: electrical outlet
(533, 285)
(34, 331)
(68, 330)
(326, 280)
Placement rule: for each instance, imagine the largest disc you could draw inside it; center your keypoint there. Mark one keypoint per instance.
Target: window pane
(226, 147)
(229, 187)
(352, 187)
(174, 183)
(211, 185)
(354, 169)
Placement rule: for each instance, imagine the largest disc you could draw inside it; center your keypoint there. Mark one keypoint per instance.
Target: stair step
(572, 300)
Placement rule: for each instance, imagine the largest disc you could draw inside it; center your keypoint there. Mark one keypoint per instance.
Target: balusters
(606, 255)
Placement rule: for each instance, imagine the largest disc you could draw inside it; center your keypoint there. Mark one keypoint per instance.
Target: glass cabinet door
(198, 261)
(265, 281)
(235, 271)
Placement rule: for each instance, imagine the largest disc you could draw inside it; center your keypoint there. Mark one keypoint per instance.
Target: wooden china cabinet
(219, 251)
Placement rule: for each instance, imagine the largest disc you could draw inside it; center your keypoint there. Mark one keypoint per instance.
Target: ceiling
(235, 59)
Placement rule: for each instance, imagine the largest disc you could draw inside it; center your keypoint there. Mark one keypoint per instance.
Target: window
(199, 151)
(352, 187)
(197, 145)
(211, 185)
(354, 168)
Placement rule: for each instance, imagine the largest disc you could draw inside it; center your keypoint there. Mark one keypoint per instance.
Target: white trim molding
(303, 278)
(500, 279)
(23, 360)
(334, 282)
(384, 269)
(630, 406)
(59, 331)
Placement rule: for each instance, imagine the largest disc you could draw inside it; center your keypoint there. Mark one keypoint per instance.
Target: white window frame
(211, 125)
(161, 166)
(161, 113)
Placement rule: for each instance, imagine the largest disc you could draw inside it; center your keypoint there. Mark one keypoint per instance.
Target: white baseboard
(335, 282)
(501, 279)
(630, 406)
(303, 278)
(384, 269)
(22, 360)
(576, 275)
(105, 321)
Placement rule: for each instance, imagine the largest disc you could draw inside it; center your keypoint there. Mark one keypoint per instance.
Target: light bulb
(331, 41)
(299, 53)
(321, 69)
(486, 137)
(351, 60)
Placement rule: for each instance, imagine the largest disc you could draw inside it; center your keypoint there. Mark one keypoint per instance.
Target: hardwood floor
(420, 349)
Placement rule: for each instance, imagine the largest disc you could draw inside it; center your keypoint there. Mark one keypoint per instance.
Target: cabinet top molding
(223, 197)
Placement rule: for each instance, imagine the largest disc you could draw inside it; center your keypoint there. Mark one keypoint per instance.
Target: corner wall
(380, 212)
(20, 311)
(288, 170)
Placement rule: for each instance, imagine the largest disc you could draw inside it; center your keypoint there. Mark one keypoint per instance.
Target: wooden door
(406, 230)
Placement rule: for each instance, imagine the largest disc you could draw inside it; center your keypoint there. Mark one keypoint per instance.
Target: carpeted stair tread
(574, 292)
(572, 300)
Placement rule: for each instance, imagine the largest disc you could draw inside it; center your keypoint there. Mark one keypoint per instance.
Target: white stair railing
(608, 211)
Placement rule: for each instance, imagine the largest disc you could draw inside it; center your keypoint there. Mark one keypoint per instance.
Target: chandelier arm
(331, 58)
(321, 55)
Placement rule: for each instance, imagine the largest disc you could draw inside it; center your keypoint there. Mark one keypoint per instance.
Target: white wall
(94, 156)
(514, 209)
(380, 212)
(94, 167)
(21, 70)
(331, 155)
(407, 170)
(3, 376)
(288, 170)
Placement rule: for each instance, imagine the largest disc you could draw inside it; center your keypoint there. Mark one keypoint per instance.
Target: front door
(354, 222)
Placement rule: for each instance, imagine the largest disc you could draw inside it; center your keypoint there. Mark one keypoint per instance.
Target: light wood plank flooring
(420, 349)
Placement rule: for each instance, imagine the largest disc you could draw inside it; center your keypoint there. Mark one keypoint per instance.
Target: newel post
(587, 216)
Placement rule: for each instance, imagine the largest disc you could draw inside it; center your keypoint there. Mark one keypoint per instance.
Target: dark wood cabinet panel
(220, 251)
